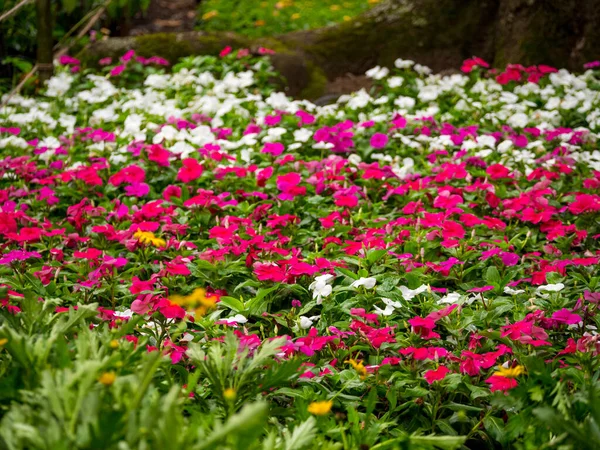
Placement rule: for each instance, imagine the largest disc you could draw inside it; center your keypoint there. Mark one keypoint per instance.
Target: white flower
(395, 82)
(511, 291)
(125, 314)
(423, 70)
(403, 63)
(59, 84)
(302, 135)
(368, 283)
(377, 72)
(519, 120)
(551, 287)
(321, 288)
(307, 322)
(390, 306)
(409, 294)
(453, 297)
(238, 318)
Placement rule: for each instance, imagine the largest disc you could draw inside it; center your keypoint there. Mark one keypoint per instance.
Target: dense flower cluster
(431, 241)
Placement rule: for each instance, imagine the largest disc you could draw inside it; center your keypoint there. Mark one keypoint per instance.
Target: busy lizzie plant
(191, 259)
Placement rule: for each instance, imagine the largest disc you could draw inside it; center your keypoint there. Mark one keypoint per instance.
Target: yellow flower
(197, 301)
(347, 18)
(210, 14)
(373, 2)
(114, 344)
(107, 378)
(259, 23)
(3, 341)
(335, 7)
(146, 237)
(510, 372)
(359, 367)
(320, 408)
(229, 394)
(295, 16)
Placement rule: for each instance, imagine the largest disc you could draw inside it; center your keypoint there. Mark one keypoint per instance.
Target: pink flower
(137, 190)
(288, 185)
(497, 171)
(128, 55)
(481, 289)
(265, 51)
(66, 60)
(117, 70)
(226, 51)
(566, 316)
(500, 383)
(190, 171)
(436, 375)
(379, 140)
(105, 61)
(273, 148)
(17, 255)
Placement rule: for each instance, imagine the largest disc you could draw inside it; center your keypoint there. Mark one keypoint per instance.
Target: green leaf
(442, 442)
(232, 303)
(495, 427)
(492, 276)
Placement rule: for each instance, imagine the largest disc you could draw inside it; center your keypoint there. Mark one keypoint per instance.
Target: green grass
(258, 18)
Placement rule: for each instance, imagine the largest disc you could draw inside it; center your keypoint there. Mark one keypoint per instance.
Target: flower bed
(191, 259)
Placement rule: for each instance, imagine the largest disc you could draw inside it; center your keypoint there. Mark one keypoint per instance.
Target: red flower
(497, 171)
(190, 171)
(500, 383)
(436, 375)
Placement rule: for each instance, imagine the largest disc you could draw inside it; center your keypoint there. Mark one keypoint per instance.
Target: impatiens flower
(320, 287)
(500, 383)
(320, 408)
(379, 140)
(409, 294)
(368, 283)
(451, 298)
(566, 316)
(273, 148)
(497, 171)
(17, 255)
(288, 185)
(436, 375)
(511, 291)
(390, 307)
(551, 287)
(307, 322)
(117, 70)
(190, 171)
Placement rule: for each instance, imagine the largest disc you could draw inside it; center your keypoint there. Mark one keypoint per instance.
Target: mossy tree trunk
(44, 38)
(438, 33)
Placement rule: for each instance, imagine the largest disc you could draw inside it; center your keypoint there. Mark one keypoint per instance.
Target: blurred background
(338, 37)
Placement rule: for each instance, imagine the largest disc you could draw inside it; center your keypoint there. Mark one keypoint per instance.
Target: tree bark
(437, 33)
(44, 39)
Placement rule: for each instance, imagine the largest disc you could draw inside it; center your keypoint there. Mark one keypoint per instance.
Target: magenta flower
(379, 140)
(273, 148)
(117, 70)
(17, 255)
(436, 375)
